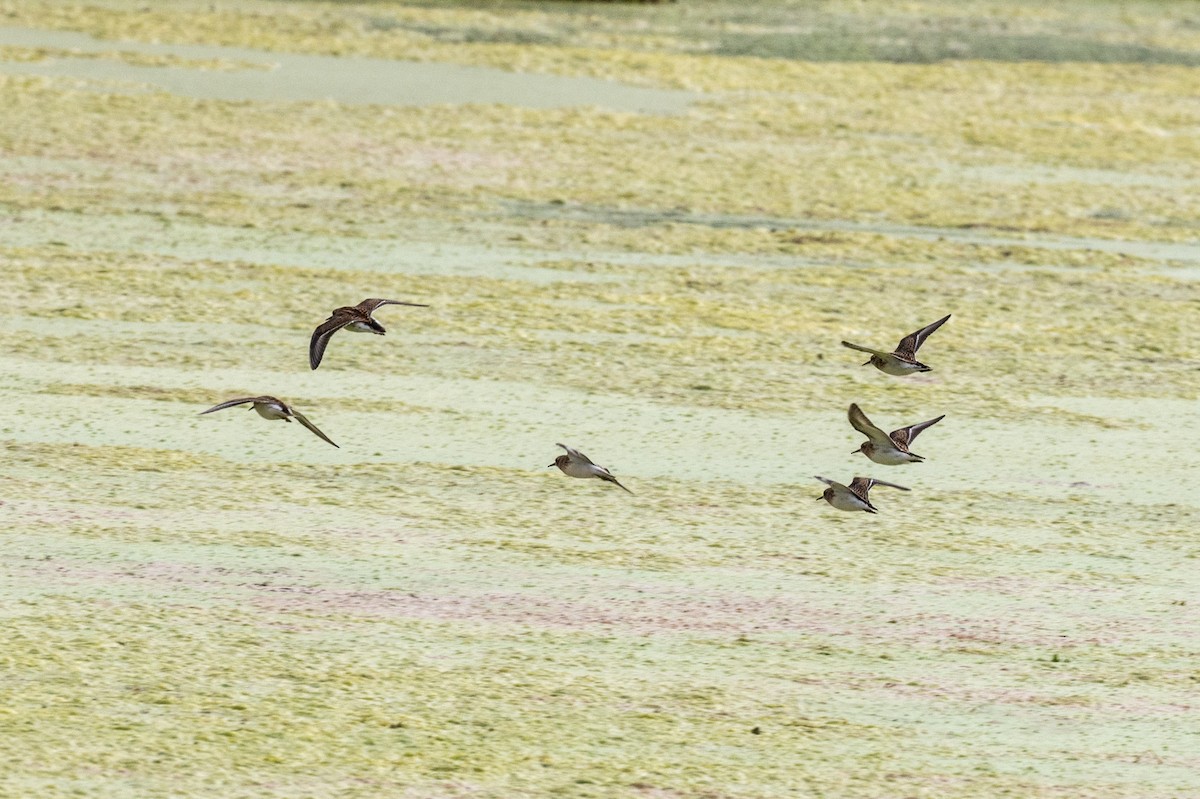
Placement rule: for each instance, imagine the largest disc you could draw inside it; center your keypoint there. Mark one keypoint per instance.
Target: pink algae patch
(709, 612)
(782, 621)
(700, 614)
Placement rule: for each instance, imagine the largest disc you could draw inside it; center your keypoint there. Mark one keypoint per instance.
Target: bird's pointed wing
(369, 306)
(576, 455)
(861, 348)
(832, 483)
(618, 482)
(302, 419)
(889, 485)
(861, 485)
(230, 403)
(906, 435)
(912, 342)
(607, 475)
(321, 336)
(862, 424)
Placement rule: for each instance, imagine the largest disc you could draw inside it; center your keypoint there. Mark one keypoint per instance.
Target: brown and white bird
(271, 408)
(889, 449)
(576, 464)
(903, 360)
(853, 496)
(355, 318)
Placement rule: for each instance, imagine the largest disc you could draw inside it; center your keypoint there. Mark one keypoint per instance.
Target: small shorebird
(904, 360)
(853, 496)
(576, 464)
(271, 408)
(889, 449)
(356, 318)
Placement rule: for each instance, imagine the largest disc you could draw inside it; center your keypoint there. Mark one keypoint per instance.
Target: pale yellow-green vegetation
(734, 337)
(221, 606)
(665, 46)
(862, 140)
(819, 155)
(201, 626)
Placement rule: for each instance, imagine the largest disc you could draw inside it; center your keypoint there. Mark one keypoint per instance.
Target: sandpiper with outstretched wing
(903, 360)
(355, 318)
(853, 496)
(576, 464)
(889, 449)
(271, 408)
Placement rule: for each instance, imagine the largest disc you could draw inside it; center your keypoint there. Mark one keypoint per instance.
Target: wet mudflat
(222, 606)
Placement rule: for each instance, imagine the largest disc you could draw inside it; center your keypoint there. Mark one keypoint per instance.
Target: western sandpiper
(853, 496)
(903, 361)
(890, 449)
(356, 318)
(271, 408)
(576, 464)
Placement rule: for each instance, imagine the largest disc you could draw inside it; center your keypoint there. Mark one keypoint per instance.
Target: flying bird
(355, 318)
(903, 361)
(272, 408)
(576, 464)
(889, 449)
(853, 496)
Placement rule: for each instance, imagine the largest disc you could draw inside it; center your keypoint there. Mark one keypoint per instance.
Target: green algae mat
(643, 231)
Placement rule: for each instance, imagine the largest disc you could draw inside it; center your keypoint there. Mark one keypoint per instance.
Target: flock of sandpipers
(888, 449)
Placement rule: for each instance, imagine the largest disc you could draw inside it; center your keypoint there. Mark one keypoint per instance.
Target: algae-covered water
(643, 233)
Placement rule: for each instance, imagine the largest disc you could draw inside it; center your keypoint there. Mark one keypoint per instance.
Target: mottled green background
(659, 273)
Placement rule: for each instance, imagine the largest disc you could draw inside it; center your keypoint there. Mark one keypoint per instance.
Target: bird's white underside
(890, 456)
(844, 499)
(576, 469)
(270, 411)
(894, 366)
